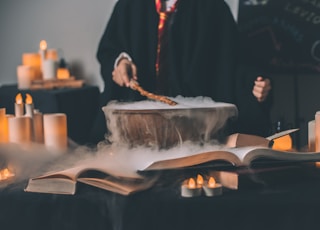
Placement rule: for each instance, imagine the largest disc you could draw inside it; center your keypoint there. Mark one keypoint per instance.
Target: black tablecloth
(79, 104)
(282, 206)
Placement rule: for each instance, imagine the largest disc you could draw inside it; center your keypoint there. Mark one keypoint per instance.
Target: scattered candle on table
(190, 188)
(212, 188)
(29, 105)
(18, 108)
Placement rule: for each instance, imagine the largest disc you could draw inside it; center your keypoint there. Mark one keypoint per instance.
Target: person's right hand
(124, 71)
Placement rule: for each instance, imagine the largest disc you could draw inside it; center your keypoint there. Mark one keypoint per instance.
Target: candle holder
(189, 188)
(211, 188)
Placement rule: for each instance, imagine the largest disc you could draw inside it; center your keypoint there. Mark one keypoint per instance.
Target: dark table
(282, 206)
(79, 104)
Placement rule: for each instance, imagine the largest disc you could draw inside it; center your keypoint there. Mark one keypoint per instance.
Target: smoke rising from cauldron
(141, 133)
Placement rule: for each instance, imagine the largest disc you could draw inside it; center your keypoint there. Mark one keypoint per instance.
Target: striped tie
(162, 62)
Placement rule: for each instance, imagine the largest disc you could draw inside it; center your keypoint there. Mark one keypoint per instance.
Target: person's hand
(261, 88)
(124, 71)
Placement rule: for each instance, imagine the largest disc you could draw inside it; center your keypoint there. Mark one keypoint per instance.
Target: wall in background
(74, 27)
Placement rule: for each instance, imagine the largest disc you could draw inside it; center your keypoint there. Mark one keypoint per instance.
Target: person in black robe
(204, 57)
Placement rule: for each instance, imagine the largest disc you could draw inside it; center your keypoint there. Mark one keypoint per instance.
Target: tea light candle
(211, 188)
(3, 126)
(55, 131)
(190, 189)
(18, 106)
(19, 129)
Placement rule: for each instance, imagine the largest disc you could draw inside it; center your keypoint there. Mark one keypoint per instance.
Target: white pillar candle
(49, 69)
(19, 130)
(29, 107)
(4, 135)
(317, 131)
(38, 127)
(25, 76)
(55, 131)
(18, 106)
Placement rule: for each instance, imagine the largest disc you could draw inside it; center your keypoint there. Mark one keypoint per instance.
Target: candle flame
(43, 45)
(191, 183)
(211, 182)
(19, 98)
(6, 174)
(28, 99)
(199, 179)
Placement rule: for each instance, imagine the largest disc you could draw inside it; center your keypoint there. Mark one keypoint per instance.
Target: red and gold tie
(161, 61)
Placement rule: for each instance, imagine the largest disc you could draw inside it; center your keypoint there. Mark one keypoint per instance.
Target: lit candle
(18, 107)
(43, 49)
(20, 130)
(43, 53)
(63, 71)
(211, 188)
(55, 131)
(29, 107)
(189, 188)
(3, 126)
(25, 74)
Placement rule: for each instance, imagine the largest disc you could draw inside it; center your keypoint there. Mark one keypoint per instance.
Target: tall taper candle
(18, 106)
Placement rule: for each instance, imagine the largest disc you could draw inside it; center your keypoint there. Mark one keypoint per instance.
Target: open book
(93, 173)
(128, 174)
(242, 156)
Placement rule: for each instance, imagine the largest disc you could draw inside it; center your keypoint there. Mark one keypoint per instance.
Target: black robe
(204, 52)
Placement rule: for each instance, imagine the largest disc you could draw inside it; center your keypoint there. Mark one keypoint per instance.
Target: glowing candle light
(190, 188)
(282, 143)
(63, 71)
(211, 182)
(3, 126)
(18, 107)
(199, 180)
(43, 49)
(212, 188)
(6, 174)
(29, 105)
